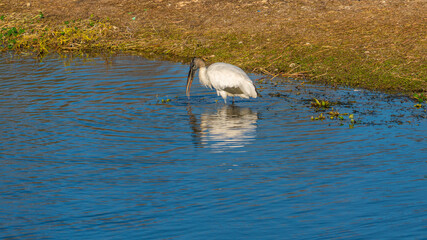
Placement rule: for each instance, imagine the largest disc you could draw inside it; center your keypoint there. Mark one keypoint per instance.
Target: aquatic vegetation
(320, 117)
(166, 100)
(333, 114)
(352, 121)
(351, 117)
(320, 104)
(418, 105)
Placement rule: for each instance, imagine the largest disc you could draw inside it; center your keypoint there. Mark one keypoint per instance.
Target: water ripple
(89, 150)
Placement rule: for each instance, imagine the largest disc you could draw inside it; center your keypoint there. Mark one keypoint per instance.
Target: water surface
(88, 150)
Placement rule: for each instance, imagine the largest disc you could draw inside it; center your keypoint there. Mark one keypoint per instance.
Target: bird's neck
(203, 77)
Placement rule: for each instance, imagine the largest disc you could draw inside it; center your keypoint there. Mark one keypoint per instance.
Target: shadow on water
(96, 149)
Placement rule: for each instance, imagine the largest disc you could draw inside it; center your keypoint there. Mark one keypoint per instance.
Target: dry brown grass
(378, 44)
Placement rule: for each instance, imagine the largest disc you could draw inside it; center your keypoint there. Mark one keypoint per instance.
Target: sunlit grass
(32, 34)
(375, 46)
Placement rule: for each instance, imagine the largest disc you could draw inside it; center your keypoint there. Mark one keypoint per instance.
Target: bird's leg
(223, 95)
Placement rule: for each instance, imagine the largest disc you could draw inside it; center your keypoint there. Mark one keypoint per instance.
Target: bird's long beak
(189, 81)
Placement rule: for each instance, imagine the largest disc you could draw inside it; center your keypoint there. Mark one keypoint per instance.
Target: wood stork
(227, 79)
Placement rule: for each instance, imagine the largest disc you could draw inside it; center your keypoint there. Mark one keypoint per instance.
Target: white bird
(227, 79)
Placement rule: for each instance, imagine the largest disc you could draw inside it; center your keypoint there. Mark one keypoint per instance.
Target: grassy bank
(379, 45)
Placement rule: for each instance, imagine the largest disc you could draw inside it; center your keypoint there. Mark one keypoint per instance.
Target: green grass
(32, 34)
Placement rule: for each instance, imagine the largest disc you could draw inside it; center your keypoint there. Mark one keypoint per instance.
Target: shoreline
(376, 46)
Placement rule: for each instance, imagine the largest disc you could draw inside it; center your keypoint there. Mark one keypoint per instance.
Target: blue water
(88, 150)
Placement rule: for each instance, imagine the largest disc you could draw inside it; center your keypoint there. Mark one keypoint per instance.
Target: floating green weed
(320, 117)
(320, 104)
(352, 121)
(334, 114)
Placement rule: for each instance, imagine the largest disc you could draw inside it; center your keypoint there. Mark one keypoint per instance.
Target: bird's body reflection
(229, 127)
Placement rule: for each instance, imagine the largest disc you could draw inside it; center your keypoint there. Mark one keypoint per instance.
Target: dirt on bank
(378, 44)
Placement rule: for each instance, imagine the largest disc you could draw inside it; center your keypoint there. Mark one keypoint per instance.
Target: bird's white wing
(224, 76)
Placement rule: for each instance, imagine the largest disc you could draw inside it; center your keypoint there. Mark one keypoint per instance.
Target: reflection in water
(228, 127)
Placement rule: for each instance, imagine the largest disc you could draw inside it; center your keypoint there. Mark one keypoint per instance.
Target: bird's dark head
(195, 64)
